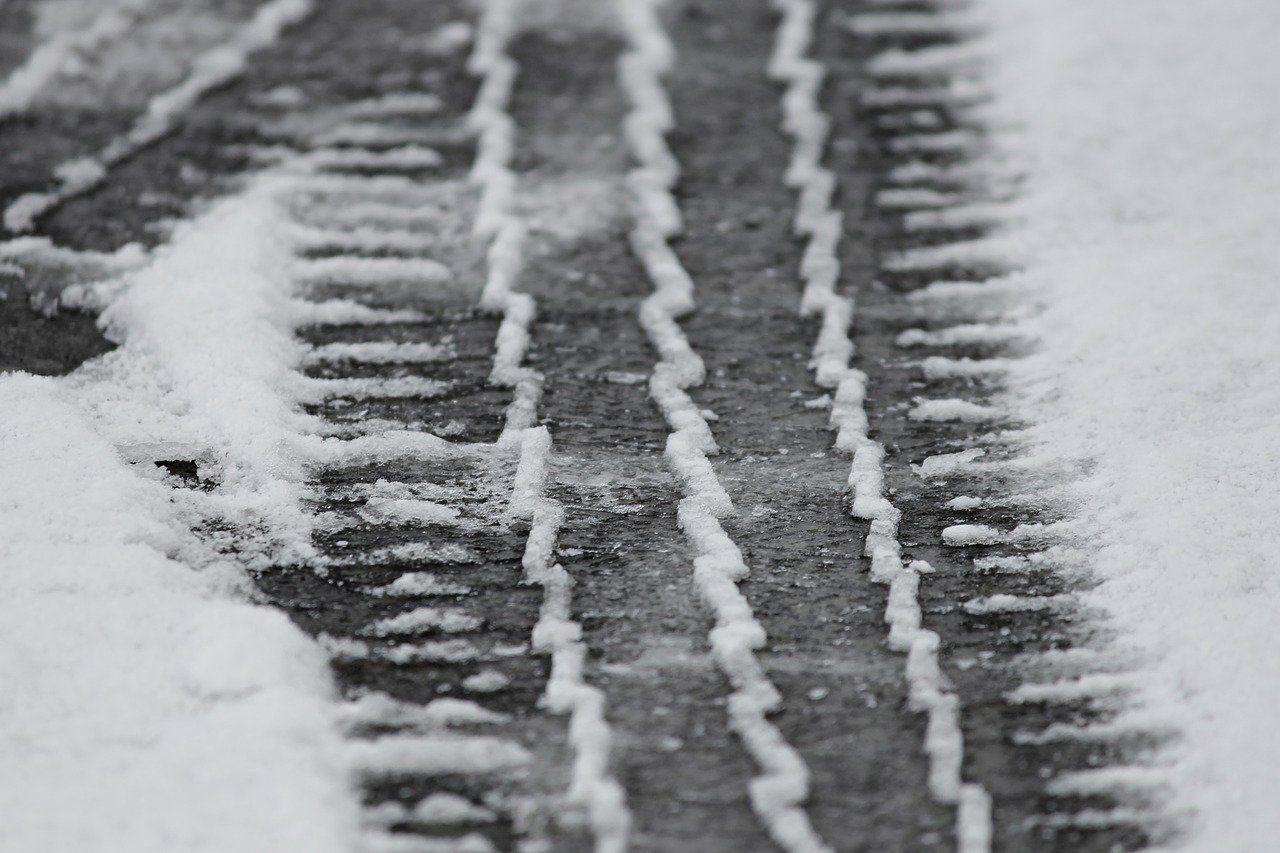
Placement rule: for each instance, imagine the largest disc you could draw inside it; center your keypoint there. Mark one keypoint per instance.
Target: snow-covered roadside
(1150, 132)
(147, 705)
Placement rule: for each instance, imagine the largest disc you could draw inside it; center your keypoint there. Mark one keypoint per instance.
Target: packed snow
(148, 707)
(1151, 137)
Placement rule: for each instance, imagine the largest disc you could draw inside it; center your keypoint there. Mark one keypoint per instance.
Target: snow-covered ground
(149, 706)
(1150, 132)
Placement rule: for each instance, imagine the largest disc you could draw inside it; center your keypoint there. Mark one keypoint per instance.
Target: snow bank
(1151, 133)
(206, 371)
(144, 709)
(148, 706)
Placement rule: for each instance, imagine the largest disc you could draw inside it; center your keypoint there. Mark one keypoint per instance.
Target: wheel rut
(620, 539)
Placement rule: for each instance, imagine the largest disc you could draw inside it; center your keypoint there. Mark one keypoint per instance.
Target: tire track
(556, 633)
(989, 519)
(777, 794)
(421, 541)
(684, 772)
(822, 225)
(164, 110)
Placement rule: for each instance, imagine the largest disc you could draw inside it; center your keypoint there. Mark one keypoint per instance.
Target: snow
(440, 809)
(440, 753)
(940, 367)
(592, 786)
(408, 157)
(778, 793)
(60, 50)
(946, 464)
(422, 584)
(485, 681)
(369, 387)
(382, 352)
(953, 410)
(379, 709)
(1149, 133)
(365, 272)
(1004, 603)
(215, 67)
(148, 707)
(819, 268)
(207, 366)
(971, 534)
(421, 620)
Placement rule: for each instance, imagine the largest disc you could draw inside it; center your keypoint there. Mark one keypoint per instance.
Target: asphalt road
(844, 705)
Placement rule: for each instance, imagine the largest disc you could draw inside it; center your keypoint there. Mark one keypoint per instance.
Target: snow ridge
(815, 219)
(214, 68)
(592, 786)
(778, 793)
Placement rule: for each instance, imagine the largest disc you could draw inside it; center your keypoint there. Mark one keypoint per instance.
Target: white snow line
(777, 794)
(435, 754)
(945, 464)
(919, 24)
(363, 239)
(360, 271)
(420, 585)
(356, 214)
(370, 134)
(397, 104)
(409, 157)
(495, 221)
(1090, 686)
(212, 69)
(967, 334)
(380, 352)
(434, 651)
(804, 120)
(1008, 287)
(1033, 532)
(1096, 819)
(387, 445)
(592, 785)
(438, 809)
(381, 710)
(974, 215)
(1143, 725)
(983, 252)
(48, 60)
(371, 388)
(347, 312)
(485, 681)
(556, 633)
(1119, 781)
(423, 620)
(954, 410)
(915, 199)
(1003, 603)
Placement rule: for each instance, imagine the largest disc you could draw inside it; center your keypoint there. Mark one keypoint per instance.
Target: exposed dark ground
(844, 691)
